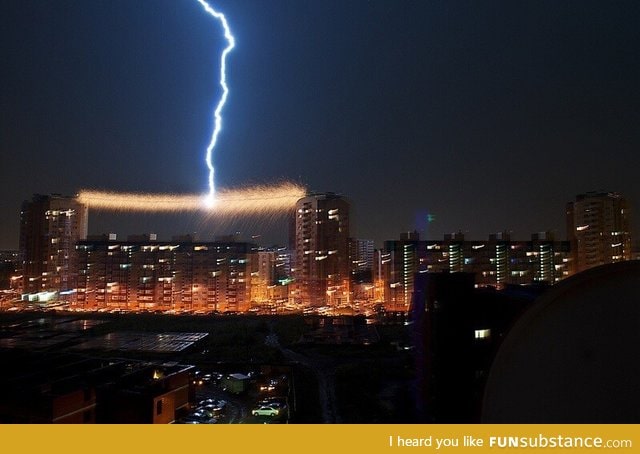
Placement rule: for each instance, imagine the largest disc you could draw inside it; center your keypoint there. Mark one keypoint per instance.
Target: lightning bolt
(223, 99)
(256, 200)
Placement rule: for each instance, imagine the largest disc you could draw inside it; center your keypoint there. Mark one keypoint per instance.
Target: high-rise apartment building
(165, 275)
(50, 226)
(397, 268)
(496, 262)
(598, 228)
(361, 259)
(270, 278)
(361, 269)
(500, 260)
(322, 250)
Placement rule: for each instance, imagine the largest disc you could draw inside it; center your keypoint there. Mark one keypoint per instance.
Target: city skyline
(486, 117)
(324, 269)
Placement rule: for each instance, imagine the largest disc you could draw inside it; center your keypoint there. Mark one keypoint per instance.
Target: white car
(265, 410)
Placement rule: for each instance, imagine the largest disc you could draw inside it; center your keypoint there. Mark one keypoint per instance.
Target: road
(324, 370)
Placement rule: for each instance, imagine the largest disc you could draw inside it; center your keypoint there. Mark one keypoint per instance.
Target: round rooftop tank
(573, 356)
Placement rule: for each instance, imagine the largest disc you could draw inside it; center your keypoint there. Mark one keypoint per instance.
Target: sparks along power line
(252, 200)
(259, 199)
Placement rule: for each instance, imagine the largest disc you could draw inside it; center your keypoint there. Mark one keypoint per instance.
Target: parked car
(271, 403)
(217, 406)
(206, 411)
(202, 418)
(265, 410)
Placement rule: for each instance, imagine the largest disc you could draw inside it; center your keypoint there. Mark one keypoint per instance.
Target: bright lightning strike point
(223, 99)
(256, 200)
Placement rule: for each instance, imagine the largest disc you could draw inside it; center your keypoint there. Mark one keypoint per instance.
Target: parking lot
(240, 398)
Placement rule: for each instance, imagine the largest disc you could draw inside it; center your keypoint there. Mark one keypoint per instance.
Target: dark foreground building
(70, 388)
(458, 329)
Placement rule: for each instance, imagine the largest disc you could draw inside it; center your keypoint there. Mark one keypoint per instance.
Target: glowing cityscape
(414, 213)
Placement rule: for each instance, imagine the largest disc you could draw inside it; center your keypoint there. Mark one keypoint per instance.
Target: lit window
(482, 334)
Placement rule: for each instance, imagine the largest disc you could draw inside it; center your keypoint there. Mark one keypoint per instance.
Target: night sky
(488, 115)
